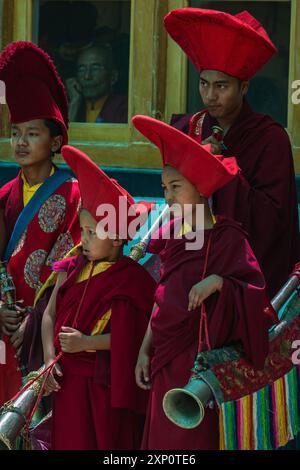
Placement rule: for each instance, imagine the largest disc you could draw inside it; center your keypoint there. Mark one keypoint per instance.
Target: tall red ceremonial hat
(97, 188)
(237, 45)
(34, 89)
(207, 172)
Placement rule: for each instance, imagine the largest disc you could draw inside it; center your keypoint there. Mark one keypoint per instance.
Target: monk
(218, 287)
(40, 205)
(97, 317)
(263, 195)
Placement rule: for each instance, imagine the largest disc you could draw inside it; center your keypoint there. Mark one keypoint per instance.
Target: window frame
(119, 144)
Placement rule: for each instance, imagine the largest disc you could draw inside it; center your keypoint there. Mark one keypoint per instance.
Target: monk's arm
(203, 289)
(49, 320)
(97, 342)
(147, 341)
(142, 368)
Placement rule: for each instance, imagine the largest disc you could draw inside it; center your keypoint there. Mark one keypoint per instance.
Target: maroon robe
(99, 405)
(263, 197)
(234, 315)
(114, 111)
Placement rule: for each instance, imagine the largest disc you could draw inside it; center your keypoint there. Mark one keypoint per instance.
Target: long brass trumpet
(13, 414)
(185, 406)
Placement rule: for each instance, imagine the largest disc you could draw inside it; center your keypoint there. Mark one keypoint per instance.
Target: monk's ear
(244, 87)
(118, 242)
(56, 143)
(114, 77)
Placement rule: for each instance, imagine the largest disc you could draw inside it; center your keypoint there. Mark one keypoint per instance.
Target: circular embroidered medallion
(20, 244)
(52, 213)
(62, 246)
(32, 268)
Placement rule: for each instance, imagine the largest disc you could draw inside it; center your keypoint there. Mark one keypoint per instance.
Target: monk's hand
(142, 371)
(203, 289)
(51, 384)
(71, 340)
(10, 320)
(216, 148)
(18, 337)
(74, 91)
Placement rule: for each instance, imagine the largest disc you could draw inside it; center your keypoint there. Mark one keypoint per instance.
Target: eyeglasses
(94, 68)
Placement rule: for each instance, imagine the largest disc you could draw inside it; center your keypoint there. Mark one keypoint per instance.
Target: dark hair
(54, 128)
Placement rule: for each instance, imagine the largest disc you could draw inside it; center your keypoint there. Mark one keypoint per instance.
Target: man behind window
(91, 97)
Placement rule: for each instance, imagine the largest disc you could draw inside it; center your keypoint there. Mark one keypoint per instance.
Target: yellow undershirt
(28, 191)
(93, 112)
(100, 267)
(186, 228)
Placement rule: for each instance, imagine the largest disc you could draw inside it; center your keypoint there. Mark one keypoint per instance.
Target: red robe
(235, 314)
(263, 197)
(99, 405)
(53, 231)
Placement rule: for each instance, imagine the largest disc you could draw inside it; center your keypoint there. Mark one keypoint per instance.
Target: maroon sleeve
(266, 204)
(237, 314)
(127, 327)
(266, 192)
(4, 193)
(3, 234)
(181, 122)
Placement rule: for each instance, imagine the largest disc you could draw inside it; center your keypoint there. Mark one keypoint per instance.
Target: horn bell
(185, 406)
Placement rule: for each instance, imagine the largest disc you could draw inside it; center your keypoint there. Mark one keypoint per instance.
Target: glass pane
(89, 43)
(268, 91)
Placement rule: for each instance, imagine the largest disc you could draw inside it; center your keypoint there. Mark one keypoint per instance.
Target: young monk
(223, 274)
(97, 316)
(39, 206)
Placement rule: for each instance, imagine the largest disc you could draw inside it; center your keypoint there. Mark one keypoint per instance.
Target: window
(89, 43)
(142, 56)
(269, 89)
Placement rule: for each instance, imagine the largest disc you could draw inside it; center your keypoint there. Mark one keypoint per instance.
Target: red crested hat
(97, 188)
(207, 172)
(34, 89)
(237, 45)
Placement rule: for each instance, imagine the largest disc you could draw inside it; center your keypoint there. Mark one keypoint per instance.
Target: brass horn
(13, 414)
(185, 406)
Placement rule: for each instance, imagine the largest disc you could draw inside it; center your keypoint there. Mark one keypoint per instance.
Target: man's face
(94, 74)
(221, 93)
(32, 143)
